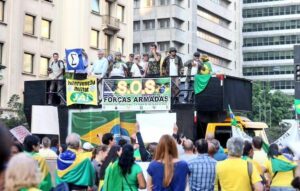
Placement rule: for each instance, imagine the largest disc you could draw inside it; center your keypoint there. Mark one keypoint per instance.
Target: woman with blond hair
(166, 171)
(22, 174)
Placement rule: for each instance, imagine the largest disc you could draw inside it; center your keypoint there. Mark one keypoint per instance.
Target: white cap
(87, 146)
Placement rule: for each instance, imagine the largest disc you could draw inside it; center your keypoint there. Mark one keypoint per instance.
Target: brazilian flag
(201, 82)
(29, 189)
(282, 164)
(75, 168)
(46, 183)
(88, 124)
(297, 105)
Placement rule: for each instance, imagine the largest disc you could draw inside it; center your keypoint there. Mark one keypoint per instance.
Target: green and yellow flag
(75, 168)
(282, 164)
(297, 105)
(46, 183)
(201, 82)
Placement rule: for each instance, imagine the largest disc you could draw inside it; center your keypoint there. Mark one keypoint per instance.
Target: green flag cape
(201, 82)
(297, 105)
(81, 172)
(281, 164)
(113, 177)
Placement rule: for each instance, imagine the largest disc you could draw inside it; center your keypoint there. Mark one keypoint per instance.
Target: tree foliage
(17, 116)
(270, 108)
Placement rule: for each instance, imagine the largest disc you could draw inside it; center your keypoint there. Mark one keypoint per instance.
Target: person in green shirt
(124, 174)
(206, 65)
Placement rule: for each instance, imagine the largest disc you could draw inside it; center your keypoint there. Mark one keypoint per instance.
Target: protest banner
(154, 125)
(82, 91)
(44, 120)
(74, 59)
(136, 94)
(20, 132)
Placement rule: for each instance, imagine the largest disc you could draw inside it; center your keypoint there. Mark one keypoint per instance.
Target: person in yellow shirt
(234, 173)
(258, 154)
(280, 170)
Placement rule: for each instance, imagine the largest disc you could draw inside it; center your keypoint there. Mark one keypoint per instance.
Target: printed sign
(20, 132)
(82, 91)
(136, 94)
(74, 59)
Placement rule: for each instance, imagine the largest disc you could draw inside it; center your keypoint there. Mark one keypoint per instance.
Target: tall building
(32, 30)
(270, 31)
(211, 27)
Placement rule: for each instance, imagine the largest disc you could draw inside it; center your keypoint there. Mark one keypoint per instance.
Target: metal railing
(111, 22)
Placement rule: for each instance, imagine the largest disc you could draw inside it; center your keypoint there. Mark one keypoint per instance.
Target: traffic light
(297, 72)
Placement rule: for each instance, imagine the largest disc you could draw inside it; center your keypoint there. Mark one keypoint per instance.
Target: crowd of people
(147, 65)
(175, 163)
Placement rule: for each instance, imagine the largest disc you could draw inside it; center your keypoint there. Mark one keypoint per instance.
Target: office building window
(212, 17)
(258, 1)
(46, 28)
(223, 3)
(146, 47)
(271, 11)
(28, 63)
(136, 25)
(44, 65)
(270, 26)
(216, 59)
(29, 24)
(163, 46)
(136, 48)
(94, 38)
(164, 2)
(120, 13)
(268, 70)
(120, 45)
(136, 4)
(272, 55)
(279, 85)
(95, 6)
(149, 3)
(149, 24)
(163, 23)
(212, 38)
(273, 40)
(2, 3)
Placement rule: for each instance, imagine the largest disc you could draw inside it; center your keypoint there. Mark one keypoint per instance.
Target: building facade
(32, 30)
(271, 29)
(211, 27)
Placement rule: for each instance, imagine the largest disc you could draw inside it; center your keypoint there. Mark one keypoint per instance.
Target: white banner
(153, 126)
(44, 120)
(20, 132)
(237, 132)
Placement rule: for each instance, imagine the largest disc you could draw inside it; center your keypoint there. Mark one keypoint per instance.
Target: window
(136, 48)
(146, 46)
(136, 4)
(29, 24)
(2, 10)
(136, 25)
(212, 17)
(216, 59)
(95, 6)
(46, 28)
(272, 55)
(28, 63)
(164, 2)
(1, 53)
(178, 23)
(44, 65)
(149, 3)
(163, 23)
(94, 38)
(271, 11)
(120, 13)
(212, 38)
(120, 45)
(149, 24)
(269, 70)
(163, 46)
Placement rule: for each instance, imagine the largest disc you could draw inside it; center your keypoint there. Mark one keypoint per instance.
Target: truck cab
(223, 131)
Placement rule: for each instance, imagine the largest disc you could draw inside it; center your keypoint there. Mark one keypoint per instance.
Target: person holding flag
(31, 147)
(74, 167)
(280, 169)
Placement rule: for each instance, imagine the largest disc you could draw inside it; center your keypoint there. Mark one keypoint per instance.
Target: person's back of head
(5, 143)
(257, 142)
(126, 159)
(107, 138)
(216, 144)
(166, 151)
(46, 142)
(31, 143)
(22, 174)
(122, 142)
(209, 136)
(235, 146)
(151, 148)
(248, 150)
(273, 151)
(188, 145)
(202, 146)
(73, 141)
(17, 147)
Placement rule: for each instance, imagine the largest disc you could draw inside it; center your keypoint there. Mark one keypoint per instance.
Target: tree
(18, 116)
(270, 108)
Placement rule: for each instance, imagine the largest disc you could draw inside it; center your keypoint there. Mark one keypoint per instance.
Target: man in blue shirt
(202, 169)
(99, 70)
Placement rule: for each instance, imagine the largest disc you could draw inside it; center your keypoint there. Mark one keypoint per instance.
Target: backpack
(62, 66)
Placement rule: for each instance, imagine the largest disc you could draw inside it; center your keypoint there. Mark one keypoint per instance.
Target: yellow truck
(222, 131)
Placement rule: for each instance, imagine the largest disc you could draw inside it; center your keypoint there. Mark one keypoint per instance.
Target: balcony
(110, 24)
